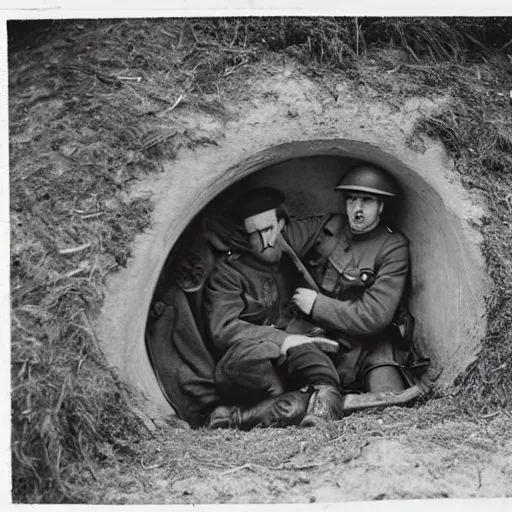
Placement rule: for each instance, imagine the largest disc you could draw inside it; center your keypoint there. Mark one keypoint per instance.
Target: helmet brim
(360, 188)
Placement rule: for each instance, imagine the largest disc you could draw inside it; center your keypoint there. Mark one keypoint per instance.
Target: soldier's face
(363, 211)
(263, 229)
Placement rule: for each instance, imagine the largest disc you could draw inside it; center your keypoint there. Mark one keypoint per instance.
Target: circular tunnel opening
(448, 314)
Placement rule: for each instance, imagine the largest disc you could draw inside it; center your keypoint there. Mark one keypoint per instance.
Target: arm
(223, 306)
(300, 233)
(374, 311)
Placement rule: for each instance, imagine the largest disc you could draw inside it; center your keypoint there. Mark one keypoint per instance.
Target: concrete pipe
(306, 154)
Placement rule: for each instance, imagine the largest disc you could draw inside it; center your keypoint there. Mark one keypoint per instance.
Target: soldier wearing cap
(361, 267)
(263, 355)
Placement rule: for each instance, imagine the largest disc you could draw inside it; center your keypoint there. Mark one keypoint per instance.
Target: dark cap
(256, 201)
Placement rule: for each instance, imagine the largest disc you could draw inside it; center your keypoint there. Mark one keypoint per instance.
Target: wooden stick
(73, 250)
(172, 107)
(287, 248)
(234, 470)
(130, 78)
(91, 215)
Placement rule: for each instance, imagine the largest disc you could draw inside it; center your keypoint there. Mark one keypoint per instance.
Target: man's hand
(304, 299)
(296, 340)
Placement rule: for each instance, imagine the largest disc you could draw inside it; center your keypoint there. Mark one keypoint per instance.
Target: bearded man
(263, 355)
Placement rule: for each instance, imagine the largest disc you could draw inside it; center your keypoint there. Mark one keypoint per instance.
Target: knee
(309, 365)
(233, 375)
(384, 378)
(381, 353)
(230, 370)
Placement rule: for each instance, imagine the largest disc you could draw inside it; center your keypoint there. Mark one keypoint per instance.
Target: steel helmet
(368, 178)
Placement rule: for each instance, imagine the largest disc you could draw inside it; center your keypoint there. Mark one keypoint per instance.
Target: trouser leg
(348, 365)
(372, 364)
(246, 375)
(305, 366)
(380, 370)
(308, 365)
(253, 389)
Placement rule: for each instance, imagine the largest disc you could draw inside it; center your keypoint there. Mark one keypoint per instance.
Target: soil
(398, 453)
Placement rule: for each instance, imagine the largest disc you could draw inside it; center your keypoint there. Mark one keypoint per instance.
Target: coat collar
(248, 259)
(364, 236)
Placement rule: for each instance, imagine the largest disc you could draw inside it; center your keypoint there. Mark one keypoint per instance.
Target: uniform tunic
(247, 300)
(363, 280)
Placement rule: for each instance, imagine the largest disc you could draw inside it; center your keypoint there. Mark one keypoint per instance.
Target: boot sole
(363, 401)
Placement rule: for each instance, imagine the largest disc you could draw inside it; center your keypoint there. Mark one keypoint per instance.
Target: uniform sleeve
(223, 305)
(300, 232)
(374, 310)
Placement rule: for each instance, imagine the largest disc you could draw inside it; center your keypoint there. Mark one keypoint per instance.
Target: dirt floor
(398, 453)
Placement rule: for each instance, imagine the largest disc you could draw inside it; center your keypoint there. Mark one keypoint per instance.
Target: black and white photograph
(259, 259)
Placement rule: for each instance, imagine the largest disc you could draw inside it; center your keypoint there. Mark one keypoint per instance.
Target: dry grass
(178, 460)
(83, 128)
(477, 132)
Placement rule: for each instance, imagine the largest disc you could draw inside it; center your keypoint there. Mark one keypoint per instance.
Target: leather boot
(281, 411)
(225, 416)
(325, 404)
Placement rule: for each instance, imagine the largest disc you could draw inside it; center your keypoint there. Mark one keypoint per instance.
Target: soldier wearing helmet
(361, 267)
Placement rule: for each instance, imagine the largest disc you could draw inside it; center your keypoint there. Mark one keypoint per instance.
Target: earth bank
(394, 454)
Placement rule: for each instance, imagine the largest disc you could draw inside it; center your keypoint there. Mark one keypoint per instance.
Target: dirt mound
(386, 455)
